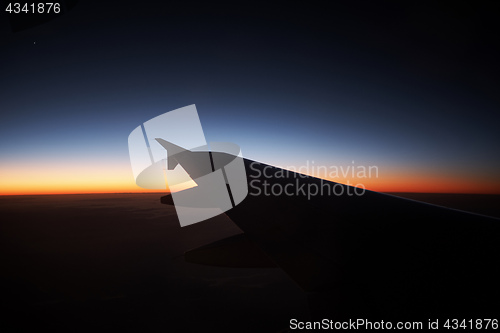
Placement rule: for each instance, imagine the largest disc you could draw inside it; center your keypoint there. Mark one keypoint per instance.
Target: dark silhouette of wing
(375, 255)
(372, 256)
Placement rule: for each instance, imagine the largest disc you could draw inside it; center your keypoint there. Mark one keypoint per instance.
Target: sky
(412, 89)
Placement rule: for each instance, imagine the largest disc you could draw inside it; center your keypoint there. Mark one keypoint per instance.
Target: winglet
(172, 150)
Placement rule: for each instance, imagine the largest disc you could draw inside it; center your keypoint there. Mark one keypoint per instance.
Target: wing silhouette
(370, 256)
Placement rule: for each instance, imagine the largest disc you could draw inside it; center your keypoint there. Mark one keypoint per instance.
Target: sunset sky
(409, 89)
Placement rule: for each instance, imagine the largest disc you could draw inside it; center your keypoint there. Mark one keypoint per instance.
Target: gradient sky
(411, 89)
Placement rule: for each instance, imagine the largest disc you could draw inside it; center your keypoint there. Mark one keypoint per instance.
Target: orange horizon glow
(67, 178)
(165, 192)
(415, 187)
(89, 179)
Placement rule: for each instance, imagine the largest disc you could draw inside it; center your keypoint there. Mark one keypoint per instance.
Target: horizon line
(168, 192)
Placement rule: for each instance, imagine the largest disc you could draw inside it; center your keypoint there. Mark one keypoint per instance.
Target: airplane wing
(370, 256)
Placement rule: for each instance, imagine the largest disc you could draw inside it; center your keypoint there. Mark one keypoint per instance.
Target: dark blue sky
(410, 88)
